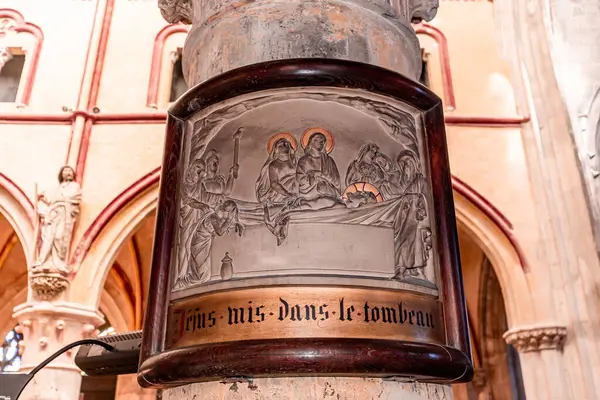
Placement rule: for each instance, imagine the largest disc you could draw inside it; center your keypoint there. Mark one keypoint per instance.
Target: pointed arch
(501, 248)
(109, 232)
(18, 209)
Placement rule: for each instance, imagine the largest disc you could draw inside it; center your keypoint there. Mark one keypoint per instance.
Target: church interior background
(86, 83)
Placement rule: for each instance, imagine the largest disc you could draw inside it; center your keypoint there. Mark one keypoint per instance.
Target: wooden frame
(289, 357)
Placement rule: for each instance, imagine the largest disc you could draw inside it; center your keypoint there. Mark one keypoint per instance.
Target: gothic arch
(16, 207)
(102, 241)
(503, 255)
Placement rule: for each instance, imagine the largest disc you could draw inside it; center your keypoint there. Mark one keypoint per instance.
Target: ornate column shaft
(305, 223)
(311, 388)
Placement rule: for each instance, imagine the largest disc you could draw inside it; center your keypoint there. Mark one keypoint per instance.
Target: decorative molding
(161, 117)
(94, 91)
(13, 21)
(47, 286)
(157, 58)
(537, 338)
(68, 118)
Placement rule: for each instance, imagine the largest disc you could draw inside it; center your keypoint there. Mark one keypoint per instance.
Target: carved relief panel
(336, 191)
(307, 206)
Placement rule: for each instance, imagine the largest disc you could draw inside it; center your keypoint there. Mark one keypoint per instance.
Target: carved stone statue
(412, 237)
(57, 211)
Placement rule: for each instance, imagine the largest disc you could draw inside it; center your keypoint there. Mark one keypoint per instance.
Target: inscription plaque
(276, 313)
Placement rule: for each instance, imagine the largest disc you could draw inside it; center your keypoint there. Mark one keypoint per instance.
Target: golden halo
(311, 131)
(285, 135)
(363, 187)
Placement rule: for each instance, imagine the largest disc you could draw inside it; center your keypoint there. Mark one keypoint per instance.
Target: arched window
(10, 352)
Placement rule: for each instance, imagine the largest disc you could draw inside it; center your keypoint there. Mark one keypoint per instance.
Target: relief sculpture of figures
(214, 223)
(317, 173)
(373, 167)
(286, 185)
(206, 211)
(57, 211)
(277, 180)
(412, 234)
(300, 183)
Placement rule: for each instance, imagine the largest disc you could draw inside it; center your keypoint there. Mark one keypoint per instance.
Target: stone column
(226, 35)
(540, 350)
(47, 327)
(311, 388)
(553, 56)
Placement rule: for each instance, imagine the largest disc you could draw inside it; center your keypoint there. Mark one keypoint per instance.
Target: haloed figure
(317, 173)
(277, 180)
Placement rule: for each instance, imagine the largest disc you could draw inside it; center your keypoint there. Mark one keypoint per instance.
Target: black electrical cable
(11, 385)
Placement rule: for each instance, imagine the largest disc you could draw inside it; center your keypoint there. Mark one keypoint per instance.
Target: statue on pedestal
(57, 211)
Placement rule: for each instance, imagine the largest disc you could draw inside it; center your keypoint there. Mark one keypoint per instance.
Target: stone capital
(537, 338)
(175, 11)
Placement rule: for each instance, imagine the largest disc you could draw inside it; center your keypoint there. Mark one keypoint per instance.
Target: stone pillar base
(311, 388)
(47, 327)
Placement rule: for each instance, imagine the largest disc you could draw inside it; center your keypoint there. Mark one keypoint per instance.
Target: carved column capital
(537, 338)
(175, 11)
(419, 10)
